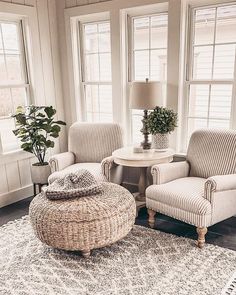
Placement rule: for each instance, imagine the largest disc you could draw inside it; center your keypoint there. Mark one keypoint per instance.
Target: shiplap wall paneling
(30, 2)
(70, 3)
(57, 78)
(3, 182)
(13, 176)
(82, 2)
(46, 54)
(22, 2)
(15, 181)
(24, 172)
(73, 3)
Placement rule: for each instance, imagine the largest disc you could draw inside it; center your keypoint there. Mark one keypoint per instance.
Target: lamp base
(146, 145)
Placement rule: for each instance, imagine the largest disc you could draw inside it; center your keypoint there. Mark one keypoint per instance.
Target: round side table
(126, 157)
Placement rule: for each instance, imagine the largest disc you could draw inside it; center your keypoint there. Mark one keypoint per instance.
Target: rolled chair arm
(107, 164)
(219, 183)
(163, 173)
(111, 170)
(60, 161)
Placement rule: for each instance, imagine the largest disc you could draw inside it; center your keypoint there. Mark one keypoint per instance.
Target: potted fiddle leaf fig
(160, 123)
(36, 128)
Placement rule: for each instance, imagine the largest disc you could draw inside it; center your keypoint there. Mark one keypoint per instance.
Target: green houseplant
(160, 122)
(36, 128)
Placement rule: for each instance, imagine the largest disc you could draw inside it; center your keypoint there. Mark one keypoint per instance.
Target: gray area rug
(230, 288)
(145, 262)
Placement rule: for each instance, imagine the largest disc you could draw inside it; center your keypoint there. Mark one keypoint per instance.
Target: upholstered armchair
(90, 147)
(201, 190)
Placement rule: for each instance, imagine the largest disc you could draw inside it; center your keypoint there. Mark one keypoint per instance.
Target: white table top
(126, 157)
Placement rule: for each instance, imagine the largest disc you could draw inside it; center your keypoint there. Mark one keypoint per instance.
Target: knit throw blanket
(78, 184)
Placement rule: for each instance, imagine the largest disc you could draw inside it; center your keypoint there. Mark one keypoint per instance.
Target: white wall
(73, 3)
(15, 181)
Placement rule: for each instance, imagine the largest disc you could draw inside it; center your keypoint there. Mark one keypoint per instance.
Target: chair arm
(60, 161)
(167, 172)
(219, 183)
(107, 164)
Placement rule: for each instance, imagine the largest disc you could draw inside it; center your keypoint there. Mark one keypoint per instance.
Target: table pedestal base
(142, 185)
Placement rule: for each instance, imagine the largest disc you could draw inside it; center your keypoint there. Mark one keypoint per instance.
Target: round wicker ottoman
(85, 223)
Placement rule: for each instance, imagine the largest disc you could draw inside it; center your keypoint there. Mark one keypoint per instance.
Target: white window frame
(117, 11)
(25, 69)
(27, 15)
(131, 49)
(188, 79)
(82, 56)
(131, 56)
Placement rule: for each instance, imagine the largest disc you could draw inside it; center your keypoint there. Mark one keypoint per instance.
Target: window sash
(131, 66)
(132, 50)
(84, 54)
(84, 82)
(9, 84)
(22, 52)
(190, 59)
(190, 80)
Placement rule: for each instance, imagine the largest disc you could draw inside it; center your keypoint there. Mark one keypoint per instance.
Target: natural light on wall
(211, 68)
(97, 71)
(148, 57)
(13, 81)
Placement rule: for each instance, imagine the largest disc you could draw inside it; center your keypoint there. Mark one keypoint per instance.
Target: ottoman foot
(86, 254)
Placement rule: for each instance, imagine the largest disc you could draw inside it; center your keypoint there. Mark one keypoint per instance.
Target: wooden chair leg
(201, 236)
(151, 218)
(86, 254)
(35, 190)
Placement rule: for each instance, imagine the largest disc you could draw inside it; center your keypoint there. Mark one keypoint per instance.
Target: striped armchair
(201, 190)
(90, 147)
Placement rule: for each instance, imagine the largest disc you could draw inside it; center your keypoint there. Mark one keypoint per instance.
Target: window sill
(14, 156)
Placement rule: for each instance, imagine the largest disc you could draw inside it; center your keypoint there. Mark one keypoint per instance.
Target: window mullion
(4, 53)
(209, 105)
(92, 35)
(233, 104)
(214, 45)
(149, 51)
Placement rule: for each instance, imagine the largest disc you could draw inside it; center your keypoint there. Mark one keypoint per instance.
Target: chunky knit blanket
(77, 184)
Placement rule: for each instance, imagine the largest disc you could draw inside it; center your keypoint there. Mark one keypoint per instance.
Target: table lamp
(145, 96)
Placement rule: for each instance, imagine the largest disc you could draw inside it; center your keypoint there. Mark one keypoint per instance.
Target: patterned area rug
(230, 288)
(145, 262)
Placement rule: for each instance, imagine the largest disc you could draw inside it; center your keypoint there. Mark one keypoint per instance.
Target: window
(96, 71)
(14, 83)
(211, 76)
(148, 57)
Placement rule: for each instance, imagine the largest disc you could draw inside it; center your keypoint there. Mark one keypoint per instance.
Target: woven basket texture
(84, 223)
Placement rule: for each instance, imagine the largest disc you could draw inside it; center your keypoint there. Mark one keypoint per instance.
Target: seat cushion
(93, 168)
(184, 193)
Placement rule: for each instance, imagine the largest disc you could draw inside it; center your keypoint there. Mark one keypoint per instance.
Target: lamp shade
(145, 95)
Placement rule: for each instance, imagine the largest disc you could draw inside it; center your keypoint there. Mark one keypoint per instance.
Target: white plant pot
(40, 174)
(160, 141)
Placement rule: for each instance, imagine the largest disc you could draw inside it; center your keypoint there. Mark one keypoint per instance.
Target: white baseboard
(15, 196)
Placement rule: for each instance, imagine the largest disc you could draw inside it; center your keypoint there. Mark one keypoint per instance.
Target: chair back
(212, 152)
(92, 142)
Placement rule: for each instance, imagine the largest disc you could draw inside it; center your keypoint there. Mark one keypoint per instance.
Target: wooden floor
(222, 234)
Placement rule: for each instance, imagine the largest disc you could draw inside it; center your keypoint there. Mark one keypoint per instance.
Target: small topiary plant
(162, 120)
